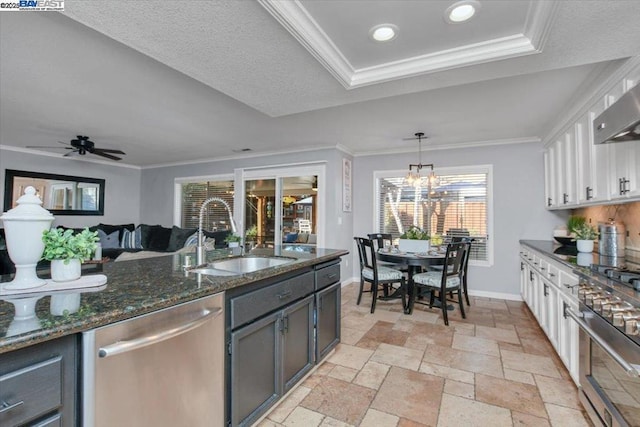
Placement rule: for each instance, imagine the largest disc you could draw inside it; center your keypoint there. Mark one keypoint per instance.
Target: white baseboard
(495, 295)
(484, 294)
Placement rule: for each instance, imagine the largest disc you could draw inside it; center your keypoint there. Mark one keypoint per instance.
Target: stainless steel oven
(609, 319)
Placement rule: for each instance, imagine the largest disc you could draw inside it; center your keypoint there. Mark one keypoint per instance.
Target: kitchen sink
(240, 265)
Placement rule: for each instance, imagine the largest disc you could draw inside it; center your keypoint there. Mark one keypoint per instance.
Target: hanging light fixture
(415, 179)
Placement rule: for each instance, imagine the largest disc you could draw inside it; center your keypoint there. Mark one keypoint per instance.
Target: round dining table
(415, 263)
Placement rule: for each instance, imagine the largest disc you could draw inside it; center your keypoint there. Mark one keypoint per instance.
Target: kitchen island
(144, 286)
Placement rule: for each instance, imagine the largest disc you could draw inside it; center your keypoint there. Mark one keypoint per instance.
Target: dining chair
(465, 264)
(374, 274)
(382, 240)
(448, 280)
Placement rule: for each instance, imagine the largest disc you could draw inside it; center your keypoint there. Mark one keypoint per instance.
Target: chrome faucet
(200, 250)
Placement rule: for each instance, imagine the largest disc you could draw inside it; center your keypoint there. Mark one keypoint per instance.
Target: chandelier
(415, 179)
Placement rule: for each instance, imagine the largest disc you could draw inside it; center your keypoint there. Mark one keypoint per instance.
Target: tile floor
(494, 368)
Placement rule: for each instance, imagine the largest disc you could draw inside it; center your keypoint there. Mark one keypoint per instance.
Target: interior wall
(157, 191)
(518, 205)
(122, 185)
(627, 214)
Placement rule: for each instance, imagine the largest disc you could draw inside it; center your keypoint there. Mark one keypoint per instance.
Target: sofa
(299, 239)
(120, 242)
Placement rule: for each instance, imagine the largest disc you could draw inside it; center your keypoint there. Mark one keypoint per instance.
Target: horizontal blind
(216, 216)
(454, 206)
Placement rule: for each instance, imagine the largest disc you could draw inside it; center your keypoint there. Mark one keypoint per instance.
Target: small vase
(61, 272)
(585, 245)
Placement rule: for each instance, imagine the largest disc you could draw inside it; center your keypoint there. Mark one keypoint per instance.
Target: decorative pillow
(219, 236)
(108, 241)
(109, 229)
(290, 237)
(302, 238)
(191, 240)
(131, 239)
(312, 239)
(159, 239)
(146, 231)
(178, 237)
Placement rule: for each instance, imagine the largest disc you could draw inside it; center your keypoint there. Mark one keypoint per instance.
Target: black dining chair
(465, 264)
(450, 279)
(374, 274)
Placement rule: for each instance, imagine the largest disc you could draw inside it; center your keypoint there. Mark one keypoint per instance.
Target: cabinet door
(328, 320)
(549, 178)
(568, 337)
(568, 168)
(550, 302)
(255, 369)
(297, 343)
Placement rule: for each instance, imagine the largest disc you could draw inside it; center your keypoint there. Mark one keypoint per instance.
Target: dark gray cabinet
(38, 384)
(277, 331)
(328, 320)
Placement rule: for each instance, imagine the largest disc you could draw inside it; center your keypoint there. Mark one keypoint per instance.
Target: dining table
(415, 263)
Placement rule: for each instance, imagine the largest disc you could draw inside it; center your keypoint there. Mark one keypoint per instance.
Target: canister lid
(29, 208)
(611, 227)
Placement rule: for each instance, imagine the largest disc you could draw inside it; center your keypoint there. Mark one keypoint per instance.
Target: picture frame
(346, 185)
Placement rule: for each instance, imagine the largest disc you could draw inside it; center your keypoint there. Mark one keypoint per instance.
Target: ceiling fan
(82, 145)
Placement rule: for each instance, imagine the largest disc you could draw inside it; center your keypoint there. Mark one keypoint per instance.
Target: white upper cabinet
(579, 172)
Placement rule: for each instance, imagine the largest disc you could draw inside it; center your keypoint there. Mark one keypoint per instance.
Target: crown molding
(58, 156)
(301, 25)
(454, 146)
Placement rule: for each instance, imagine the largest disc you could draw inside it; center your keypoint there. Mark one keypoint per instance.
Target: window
(456, 205)
(194, 193)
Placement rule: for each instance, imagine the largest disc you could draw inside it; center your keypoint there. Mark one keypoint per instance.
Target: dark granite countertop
(141, 286)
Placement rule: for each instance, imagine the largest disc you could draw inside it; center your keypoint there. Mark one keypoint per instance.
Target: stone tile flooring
(494, 368)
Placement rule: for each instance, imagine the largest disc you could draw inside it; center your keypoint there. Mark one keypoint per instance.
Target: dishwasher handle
(156, 337)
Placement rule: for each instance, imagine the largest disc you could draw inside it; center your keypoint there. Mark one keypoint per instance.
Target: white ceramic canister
(23, 227)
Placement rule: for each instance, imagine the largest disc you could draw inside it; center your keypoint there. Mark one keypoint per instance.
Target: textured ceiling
(190, 81)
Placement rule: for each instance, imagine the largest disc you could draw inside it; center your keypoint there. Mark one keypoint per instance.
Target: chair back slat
(454, 258)
(381, 239)
(367, 252)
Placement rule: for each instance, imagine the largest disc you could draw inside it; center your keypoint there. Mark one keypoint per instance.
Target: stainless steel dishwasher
(164, 368)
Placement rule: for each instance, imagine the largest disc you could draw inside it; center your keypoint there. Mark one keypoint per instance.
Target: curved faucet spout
(200, 252)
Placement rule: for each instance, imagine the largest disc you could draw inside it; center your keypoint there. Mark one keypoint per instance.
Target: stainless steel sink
(241, 265)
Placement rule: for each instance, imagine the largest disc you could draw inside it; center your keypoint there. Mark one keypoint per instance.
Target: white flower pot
(585, 245)
(414, 246)
(65, 302)
(61, 272)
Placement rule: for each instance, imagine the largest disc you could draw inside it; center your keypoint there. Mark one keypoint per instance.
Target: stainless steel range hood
(621, 121)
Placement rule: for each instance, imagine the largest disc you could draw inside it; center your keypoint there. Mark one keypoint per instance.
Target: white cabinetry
(579, 172)
(546, 287)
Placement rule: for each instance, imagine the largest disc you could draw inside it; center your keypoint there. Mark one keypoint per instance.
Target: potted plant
(414, 239)
(233, 240)
(585, 234)
(251, 234)
(67, 251)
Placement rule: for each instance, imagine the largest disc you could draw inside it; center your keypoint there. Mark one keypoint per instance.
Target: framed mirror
(60, 194)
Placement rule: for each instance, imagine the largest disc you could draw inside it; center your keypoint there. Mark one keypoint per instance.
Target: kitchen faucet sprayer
(200, 251)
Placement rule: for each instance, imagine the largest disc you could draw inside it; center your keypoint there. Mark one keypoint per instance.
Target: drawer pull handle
(285, 294)
(6, 407)
(332, 276)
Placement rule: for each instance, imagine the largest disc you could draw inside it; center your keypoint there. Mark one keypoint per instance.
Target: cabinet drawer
(327, 276)
(247, 307)
(34, 390)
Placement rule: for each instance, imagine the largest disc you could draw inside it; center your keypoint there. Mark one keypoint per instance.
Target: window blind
(454, 206)
(216, 216)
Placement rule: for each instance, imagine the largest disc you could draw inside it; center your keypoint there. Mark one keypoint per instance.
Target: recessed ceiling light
(461, 11)
(383, 32)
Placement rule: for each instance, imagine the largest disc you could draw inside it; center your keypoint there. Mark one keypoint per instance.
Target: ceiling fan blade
(70, 153)
(45, 146)
(108, 156)
(104, 150)
(63, 143)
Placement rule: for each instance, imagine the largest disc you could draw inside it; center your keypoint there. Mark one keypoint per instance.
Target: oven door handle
(630, 369)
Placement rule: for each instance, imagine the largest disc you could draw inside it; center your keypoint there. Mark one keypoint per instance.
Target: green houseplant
(414, 239)
(251, 234)
(67, 251)
(574, 222)
(585, 234)
(233, 240)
